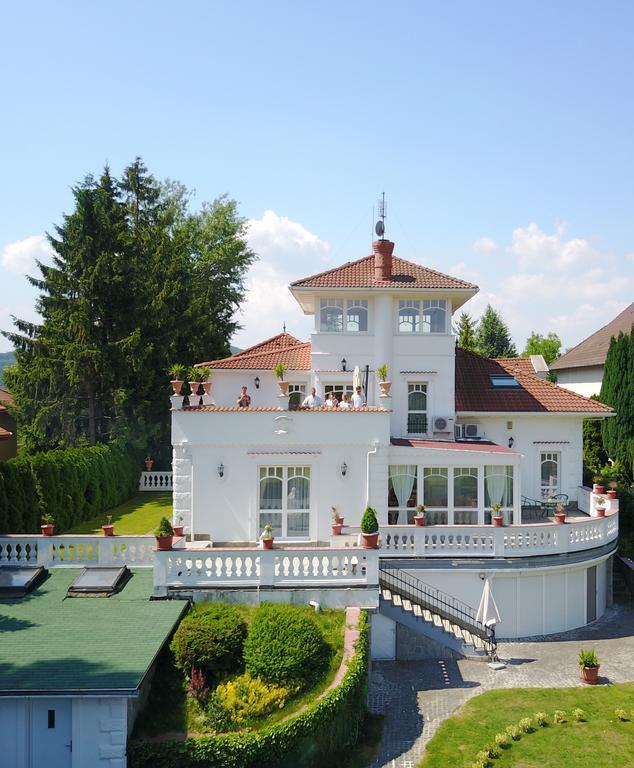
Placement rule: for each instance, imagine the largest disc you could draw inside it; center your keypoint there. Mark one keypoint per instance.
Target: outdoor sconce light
(511, 441)
(221, 470)
(343, 363)
(256, 381)
(344, 469)
(482, 576)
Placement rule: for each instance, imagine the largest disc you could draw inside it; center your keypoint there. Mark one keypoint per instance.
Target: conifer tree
(466, 331)
(493, 336)
(617, 391)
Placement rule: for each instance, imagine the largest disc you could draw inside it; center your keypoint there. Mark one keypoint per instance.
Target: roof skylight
(503, 380)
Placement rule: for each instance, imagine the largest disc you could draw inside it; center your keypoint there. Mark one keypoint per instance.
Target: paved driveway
(416, 697)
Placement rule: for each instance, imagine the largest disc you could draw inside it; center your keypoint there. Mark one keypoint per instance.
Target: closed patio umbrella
(356, 378)
(488, 613)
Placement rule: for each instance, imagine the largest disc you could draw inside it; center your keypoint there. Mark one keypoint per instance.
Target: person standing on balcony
(344, 404)
(357, 399)
(244, 401)
(330, 401)
(313, 400)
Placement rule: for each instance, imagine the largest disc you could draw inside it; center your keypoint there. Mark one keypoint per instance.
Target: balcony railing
(155, 481)
(76, 551)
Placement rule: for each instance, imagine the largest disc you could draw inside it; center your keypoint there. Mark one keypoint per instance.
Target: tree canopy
(617, 391)
(137, 281)
(493, 336)
(466, 330)
(548, 346)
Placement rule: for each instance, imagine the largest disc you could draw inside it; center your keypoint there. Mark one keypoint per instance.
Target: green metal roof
(53, 644)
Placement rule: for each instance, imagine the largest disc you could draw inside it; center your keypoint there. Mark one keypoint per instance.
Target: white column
(383, 330)
(481, 495)
(450, 497)
(517, 496)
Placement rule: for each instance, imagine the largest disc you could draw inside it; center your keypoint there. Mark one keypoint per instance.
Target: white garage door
(13, 733)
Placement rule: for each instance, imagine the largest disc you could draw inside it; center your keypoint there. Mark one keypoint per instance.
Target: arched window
(465, 486)
(285, 500)
(434, 316)
(549, 474)
(331, 315)
(357, 316)
(416, 408)
(409, 316)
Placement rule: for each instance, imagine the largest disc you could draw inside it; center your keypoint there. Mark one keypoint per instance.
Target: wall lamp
(511, 441)
(343, 363)
(221, 470)
(344, 469)
(256, 381)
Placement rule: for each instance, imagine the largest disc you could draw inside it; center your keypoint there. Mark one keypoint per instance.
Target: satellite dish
(380, 228)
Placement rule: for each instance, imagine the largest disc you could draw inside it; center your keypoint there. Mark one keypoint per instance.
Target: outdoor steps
(433, 626)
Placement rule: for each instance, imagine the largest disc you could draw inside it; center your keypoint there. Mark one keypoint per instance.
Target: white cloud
(535, 248)
(20, 257)
(287, 251)
(484, 245)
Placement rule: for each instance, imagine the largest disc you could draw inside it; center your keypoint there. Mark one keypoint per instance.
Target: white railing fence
(78, 551)
(155, 481)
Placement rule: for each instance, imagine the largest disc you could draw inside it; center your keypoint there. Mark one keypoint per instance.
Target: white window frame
(296, 387)
(284, 473)
(345, 305)
(546, 491)
(424, 387)
(421, 306)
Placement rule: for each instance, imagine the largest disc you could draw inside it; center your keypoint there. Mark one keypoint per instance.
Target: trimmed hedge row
(329, 725)
(72, 485)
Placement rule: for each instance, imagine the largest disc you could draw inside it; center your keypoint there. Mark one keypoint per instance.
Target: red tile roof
(474, 391)
(360, 274)
(282, 348)
(593, 350)
(447, 445)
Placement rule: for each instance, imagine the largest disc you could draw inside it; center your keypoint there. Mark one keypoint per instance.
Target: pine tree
(466, 330)
(548, 346)
(617, 391)
(493, 336)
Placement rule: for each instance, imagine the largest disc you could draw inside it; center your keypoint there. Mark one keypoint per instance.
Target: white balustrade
(155, 481)
(77, 551)
(19, 550)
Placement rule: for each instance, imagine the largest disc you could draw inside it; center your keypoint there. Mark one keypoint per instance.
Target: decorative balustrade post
(563, 534)
(419, 542)
(43, 551)
(498, 541)
(160, 574)
(267, 567)
(371, 566)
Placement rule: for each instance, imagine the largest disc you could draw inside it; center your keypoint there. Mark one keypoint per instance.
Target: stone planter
(177, 385)
(370, 540)
(163, 543)
(589, 674)
(108, 530)
(48, 529)
(207, 387)
(498, 521)
(419, 521)
(385, 387)
(560, 518)
(283, 385)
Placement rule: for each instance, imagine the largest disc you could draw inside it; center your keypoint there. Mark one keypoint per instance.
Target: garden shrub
(72, 485)
(285, 645)
(308, 740)
(247, 698)
(210, 638)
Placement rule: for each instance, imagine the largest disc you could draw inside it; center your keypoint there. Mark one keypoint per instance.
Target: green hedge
(329, 725)
(72, 485)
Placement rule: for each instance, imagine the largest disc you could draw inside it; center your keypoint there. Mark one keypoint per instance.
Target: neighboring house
(581, 368)
(457, 433)
(8, 430)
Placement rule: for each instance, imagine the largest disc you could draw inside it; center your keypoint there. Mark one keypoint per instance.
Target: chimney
(383, 250)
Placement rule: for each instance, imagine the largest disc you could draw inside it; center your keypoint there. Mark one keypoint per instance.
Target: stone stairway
(440, 617)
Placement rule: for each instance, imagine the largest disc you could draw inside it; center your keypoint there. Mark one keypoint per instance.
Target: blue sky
(501, 133)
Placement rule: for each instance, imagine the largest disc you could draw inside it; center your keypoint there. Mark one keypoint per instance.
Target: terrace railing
(155, 481)
(76, 551)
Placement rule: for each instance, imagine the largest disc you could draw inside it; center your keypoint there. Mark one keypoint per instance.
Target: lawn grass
(600, 741)
(170, 711)
(138, 515)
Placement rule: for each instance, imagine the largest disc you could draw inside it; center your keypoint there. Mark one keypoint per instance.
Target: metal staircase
(438, 616)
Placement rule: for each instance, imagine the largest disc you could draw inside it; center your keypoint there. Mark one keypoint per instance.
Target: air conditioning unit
(442, 424)
(466, 432)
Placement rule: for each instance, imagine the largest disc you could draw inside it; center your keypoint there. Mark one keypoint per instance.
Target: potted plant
(179, 530)
(205, 375)
(385, 385)
(279, 369)
(589, 665)
(419, 517)
(370, 529)
(164, 533)
(195, 380)
(597, 487)
(560, 513)
(177, 372)
(48, 524)
(149, 463)
(496, 517)
(337, 522)
(266, 537)
(611, 492)
(108, 528)
(599, 506)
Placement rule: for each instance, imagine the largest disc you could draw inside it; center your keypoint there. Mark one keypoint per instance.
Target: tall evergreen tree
(466, 330)
(137, 281)
(617, 391)
(493, 336)
(548, 346)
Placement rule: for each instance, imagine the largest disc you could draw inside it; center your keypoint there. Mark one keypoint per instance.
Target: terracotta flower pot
(560, 518)
(283, 385)
(589, 674)
(177, 385)
(207, 387)
(385, 387)
(48, 529)
(598, 489)
(163, 542)
(108, 530)
(338, 520)
(178, 530)
(336, 529)
(149, 463)
(498, 521)
(611, 494)
(370, 540)
(267, 543)
(419, 521)
(600, 511)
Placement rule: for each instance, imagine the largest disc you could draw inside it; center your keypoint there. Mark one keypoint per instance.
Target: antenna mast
(380, 225)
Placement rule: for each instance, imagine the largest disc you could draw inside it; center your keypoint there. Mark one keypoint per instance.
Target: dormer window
(343, 315)
(422, 316)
